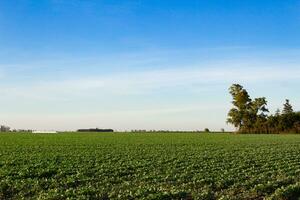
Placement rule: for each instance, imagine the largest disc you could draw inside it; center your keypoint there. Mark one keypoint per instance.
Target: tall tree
(247, 115)
(257, 115)
(259, 106)
(287, 107)
(241, 101)
(277, 112)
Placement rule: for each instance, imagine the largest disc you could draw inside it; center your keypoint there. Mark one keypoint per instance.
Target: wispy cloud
(144, 82)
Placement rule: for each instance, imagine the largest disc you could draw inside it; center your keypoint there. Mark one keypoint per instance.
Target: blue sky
(143, 64)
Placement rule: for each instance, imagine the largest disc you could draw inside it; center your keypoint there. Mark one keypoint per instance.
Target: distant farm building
(44, 132)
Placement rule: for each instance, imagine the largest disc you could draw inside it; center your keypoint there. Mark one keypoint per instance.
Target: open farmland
(149, 166)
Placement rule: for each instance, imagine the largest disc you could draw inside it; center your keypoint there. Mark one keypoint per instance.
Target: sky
(139, 64)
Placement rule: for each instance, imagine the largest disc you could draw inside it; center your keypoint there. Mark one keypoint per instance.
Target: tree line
(95, 130)
(252, 115)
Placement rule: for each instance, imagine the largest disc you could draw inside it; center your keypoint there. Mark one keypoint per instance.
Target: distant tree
(273, 123)
(277, 112)
(206, 130)
(287, 108)
(222, 130)
(297, 126)
(95, 130)
(4, 128)
(288, 117)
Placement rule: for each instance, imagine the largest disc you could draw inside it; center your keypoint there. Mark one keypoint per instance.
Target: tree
(297, 126)
(4, 128)
(288, 117)
(287, 108)
(251, 116)
(247, 115)
(277, 112)
(241, 101)
(273, 123)
(256, 116)
(259, 106)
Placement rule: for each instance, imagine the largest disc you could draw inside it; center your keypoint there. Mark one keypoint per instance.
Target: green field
(149, 166)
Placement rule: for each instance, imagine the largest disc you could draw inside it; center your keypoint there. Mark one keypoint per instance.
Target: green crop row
(149, 166)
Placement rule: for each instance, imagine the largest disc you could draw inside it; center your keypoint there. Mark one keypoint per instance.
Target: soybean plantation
(149, 166)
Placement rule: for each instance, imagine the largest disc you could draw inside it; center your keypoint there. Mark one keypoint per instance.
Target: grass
(149, 166)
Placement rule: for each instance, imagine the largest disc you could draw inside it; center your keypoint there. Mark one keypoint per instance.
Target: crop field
(149, 166)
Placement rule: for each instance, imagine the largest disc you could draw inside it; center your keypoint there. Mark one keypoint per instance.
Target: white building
(44, 132)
